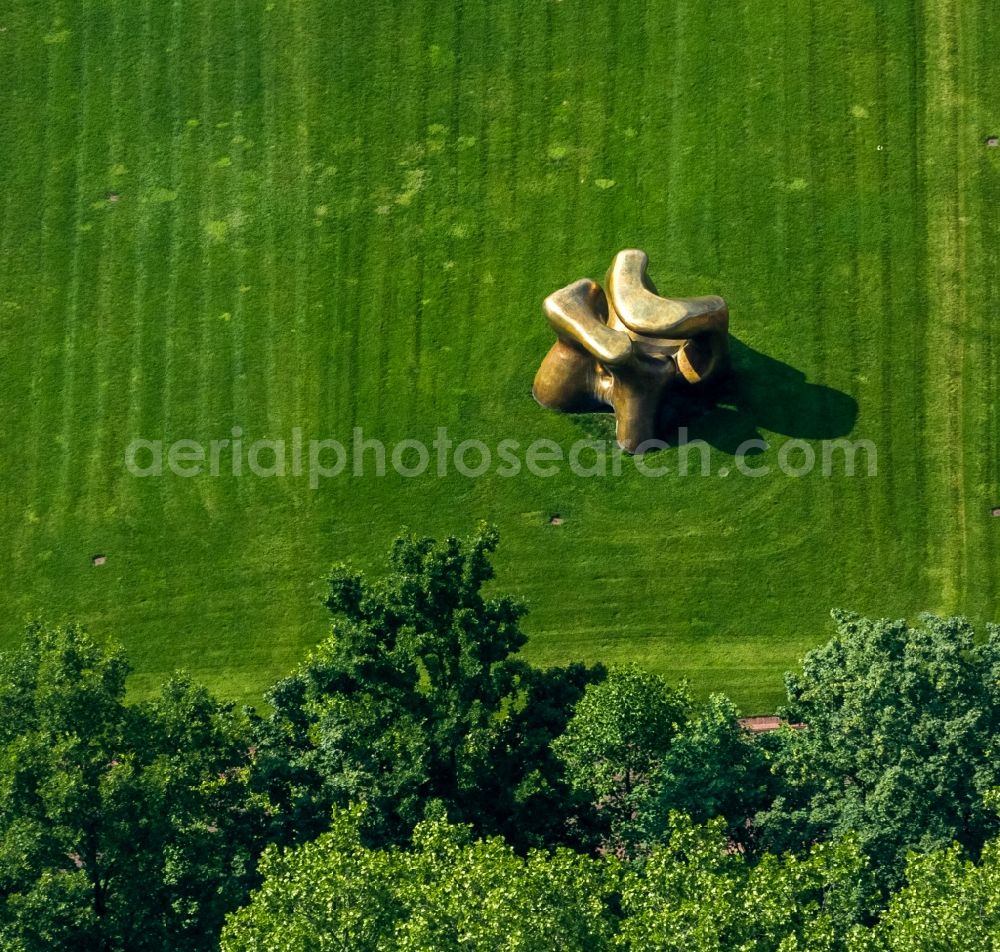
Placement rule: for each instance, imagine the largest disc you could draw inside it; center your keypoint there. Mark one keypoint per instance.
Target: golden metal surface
(629, 348)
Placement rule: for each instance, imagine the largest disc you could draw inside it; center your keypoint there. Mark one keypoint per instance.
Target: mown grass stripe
(117, 329)
(978, 167)
(889, 501)
(268, 145)
(848, 272)
(208, 415)
(301, 296)
(357, 203)
(351, 202)
(48, 301)
(19, 349)
(303, 110)
(111, 270)
(329, 324)
(676, 143)
(420, 26)
(904, 216)
(911, 338)
(174, 165)
(70, 429)
(386, 177)
(240, 398)
(141, 370)
(946, 348)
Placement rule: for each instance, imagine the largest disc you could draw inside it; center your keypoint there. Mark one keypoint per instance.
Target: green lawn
(334, 215)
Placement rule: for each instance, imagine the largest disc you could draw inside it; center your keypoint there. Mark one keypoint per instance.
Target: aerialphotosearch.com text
(321, 459)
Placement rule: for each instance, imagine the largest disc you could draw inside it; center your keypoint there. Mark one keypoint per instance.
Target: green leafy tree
(446, 892)
(693, 894)
(714, 768)
(121, 827)
(521, 792)
(615, 744)
(450, 892)
(418, 697)
(900, 747)
(949, 903)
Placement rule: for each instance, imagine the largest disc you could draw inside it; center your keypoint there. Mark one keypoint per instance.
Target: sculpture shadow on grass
(761, 393)
(758, 393)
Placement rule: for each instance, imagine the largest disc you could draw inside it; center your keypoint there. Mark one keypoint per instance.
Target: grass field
(334, 216)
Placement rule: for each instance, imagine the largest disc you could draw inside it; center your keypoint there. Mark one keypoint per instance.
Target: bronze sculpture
(628, 348)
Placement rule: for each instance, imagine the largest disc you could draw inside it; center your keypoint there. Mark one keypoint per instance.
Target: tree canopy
(445, 892)
(121, 827)
(417, 785)
(948, 902)
(900, 748)
(615, 743)
(418, 697)
(450, 892)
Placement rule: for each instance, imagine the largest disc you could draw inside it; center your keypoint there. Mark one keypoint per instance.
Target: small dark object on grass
(555, 519)
(993, 141)
(99, 559)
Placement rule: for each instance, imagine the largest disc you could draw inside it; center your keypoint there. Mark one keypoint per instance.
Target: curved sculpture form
(628, 348)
